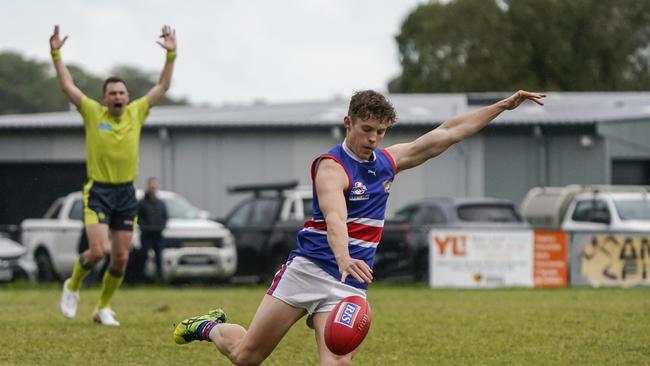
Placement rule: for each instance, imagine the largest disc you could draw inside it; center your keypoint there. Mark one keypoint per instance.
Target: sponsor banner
(550, 259)
(609, 259)
(480, 258)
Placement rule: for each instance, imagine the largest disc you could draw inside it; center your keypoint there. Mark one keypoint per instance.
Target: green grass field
(412, 325)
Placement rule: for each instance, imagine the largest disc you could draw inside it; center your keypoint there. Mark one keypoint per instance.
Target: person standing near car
(112, 130)
(152, 219)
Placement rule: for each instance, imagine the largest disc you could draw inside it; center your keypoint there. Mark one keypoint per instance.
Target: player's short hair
(370, 104)
(110, 80)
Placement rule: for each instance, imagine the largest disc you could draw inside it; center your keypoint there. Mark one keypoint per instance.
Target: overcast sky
(228, 50)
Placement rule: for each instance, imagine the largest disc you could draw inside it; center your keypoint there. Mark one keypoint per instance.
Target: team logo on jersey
(105, 126)
(358, 192)
(359, 188)
(347, 313)
(387, 185)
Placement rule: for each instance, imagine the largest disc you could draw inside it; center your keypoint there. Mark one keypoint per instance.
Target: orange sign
(550, 259)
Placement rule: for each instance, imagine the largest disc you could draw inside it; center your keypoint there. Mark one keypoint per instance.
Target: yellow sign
(619, 260)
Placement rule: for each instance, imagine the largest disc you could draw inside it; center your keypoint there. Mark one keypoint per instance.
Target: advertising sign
(610, 259)
(551, 259)
(480, 258)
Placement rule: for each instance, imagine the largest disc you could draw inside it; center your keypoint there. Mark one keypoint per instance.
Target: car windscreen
(633, 209)
(179, 208)
(265, 211)
(488, 213)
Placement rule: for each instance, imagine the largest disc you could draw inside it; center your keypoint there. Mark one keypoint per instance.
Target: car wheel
(20, 275)
(46, 271)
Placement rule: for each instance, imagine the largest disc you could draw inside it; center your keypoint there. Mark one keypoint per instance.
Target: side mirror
(203, 214)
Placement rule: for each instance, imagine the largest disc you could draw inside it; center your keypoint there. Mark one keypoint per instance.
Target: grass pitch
(412, 325)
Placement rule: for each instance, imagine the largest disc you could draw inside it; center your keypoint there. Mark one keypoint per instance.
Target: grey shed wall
(516, 162)
(202, 164)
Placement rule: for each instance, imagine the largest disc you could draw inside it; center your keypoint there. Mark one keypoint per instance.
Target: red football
(347, 325)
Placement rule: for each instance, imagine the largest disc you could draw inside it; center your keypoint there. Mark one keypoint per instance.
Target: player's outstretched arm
(63, 75)
(169, 43)
(454, 130)
(331, 183)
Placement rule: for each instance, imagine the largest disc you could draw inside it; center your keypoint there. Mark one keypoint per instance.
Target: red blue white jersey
(366, 196)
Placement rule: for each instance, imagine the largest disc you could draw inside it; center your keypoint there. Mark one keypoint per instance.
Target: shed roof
(567, 108)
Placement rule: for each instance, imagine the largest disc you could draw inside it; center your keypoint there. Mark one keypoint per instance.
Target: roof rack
(258, 188)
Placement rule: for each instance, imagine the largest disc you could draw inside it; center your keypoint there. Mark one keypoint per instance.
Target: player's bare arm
(331, 183)
(63, 75)
(454, 130)
(169, 43)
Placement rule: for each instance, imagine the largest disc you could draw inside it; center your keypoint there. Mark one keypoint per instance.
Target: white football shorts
(303, 284)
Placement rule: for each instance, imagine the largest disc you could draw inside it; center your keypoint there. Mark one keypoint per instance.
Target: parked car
(404, 249)
(13, 264)
(194, 245)
(590, 208)
(265, 225)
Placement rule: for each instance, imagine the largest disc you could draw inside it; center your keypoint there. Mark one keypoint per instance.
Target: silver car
(13, 262)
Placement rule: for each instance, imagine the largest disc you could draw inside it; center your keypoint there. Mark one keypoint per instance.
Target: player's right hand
(55, 40)
(355, 268)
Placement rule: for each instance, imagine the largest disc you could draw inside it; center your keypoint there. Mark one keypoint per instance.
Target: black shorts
(112, 204)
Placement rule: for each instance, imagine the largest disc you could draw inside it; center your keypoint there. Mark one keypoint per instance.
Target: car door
(251, 224)
(427, 218)
(265, 217)
(237, 222)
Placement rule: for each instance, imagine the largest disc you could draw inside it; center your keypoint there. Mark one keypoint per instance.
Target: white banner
(480, 258)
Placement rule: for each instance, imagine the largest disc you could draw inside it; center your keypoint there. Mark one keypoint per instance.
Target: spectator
(152, 218)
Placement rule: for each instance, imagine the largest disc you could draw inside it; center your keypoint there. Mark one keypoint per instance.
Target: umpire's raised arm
(169, 43)
(63, 75)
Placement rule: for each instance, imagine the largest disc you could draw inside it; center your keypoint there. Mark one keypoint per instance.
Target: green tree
(21, 83)
(28, 86)
(486, 45)
(139, 82)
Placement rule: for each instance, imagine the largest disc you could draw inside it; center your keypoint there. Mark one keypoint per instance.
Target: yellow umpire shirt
(113, 143)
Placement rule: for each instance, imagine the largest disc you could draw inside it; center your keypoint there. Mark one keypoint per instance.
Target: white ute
(194, 246)
(589, 208)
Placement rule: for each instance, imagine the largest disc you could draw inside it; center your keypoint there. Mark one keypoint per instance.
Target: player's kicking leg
(271, 322)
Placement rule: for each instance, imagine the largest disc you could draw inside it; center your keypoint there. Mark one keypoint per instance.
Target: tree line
(30, 86)
(550, 45)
